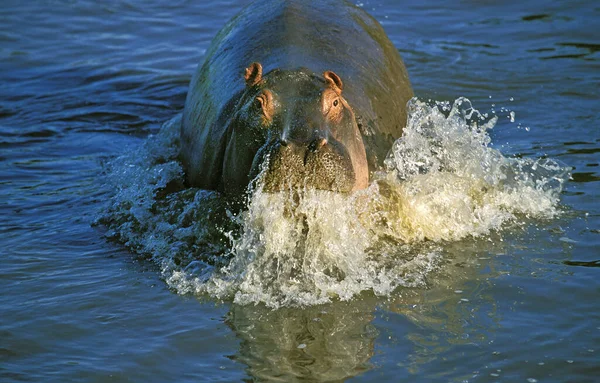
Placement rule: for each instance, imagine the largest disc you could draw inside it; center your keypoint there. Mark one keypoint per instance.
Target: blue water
(83, 85)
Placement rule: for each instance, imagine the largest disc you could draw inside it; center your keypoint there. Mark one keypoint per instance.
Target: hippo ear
(333, 81)
(253, 74)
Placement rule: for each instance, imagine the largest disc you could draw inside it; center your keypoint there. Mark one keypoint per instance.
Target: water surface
(83, 86)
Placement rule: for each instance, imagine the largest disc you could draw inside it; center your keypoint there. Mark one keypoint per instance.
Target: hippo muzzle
(322, 164)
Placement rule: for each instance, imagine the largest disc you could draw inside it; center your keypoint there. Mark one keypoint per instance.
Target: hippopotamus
(305, 94)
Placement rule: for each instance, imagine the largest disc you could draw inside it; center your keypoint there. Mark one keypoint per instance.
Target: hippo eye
(332, 105)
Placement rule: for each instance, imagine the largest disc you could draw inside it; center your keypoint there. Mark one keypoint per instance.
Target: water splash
(442, 182)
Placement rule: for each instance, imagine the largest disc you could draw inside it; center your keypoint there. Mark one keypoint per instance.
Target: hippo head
(299, 130)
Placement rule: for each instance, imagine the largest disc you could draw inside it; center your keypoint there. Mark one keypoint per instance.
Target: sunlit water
(473, 256)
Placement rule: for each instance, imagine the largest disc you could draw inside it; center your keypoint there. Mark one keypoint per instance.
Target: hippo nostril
(283, 142)
(317, 144)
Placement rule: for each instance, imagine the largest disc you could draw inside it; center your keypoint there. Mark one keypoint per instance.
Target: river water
(473, 257)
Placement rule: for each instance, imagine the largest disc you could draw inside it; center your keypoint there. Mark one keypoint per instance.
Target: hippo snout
(319, 164)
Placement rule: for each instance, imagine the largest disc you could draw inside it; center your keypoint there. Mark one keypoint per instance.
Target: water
(470, 259)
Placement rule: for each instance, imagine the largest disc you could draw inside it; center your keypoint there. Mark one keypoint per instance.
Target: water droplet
(567, 240)
(301, 346)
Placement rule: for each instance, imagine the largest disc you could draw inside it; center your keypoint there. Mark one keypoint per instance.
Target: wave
(443, 181)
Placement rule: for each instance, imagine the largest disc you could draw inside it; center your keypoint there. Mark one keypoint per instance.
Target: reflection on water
(336, 341)
(313, 344)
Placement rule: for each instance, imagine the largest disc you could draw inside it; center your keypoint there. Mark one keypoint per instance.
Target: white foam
(443, 182)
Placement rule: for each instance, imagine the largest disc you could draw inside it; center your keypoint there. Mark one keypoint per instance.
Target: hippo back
(290, 34)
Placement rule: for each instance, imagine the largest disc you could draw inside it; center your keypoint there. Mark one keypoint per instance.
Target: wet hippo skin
(315, 88)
